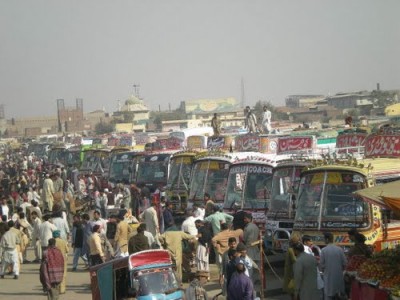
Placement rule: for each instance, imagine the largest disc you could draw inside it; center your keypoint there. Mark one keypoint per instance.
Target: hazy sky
(179, 50)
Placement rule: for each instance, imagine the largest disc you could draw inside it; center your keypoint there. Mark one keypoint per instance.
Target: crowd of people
(39, 212)
(311, 273)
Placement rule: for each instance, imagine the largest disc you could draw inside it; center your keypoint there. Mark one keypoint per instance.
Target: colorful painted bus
(326, 201)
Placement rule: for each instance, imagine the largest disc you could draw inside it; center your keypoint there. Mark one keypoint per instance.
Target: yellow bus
(326, 200)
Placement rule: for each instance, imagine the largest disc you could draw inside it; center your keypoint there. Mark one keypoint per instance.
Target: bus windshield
(152, 171)
(95, 162)
(74, 158)
(325, 201)
(285, 182)
(58, 156)
(161, 282)
(248, 186)
(210, 177)
(122, 168)
(179, 178)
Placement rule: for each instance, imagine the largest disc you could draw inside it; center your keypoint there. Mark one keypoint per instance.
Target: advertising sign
(196, 141)
(248, 142)
(350, 141)
(126, 141)
(171, 143)
(387, 145)
(290, 144)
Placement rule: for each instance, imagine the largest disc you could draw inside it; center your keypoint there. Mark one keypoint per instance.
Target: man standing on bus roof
(266, 121)
(216, 125)
(250, 121)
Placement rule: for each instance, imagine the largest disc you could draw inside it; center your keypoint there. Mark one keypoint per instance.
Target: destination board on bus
(382, 145)
(126, 141)
(196, 141)
(248, 142)
(257, 169)
(183, 160)
(213, 165)
(113, 141)
(216, 142)
(292, 144)
(171, 143)
(350, 141)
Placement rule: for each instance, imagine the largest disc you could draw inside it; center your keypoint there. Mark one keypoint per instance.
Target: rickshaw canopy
(384, 195)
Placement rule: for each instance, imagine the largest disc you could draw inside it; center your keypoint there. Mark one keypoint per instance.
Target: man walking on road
(52, 270)
(8, 246)
(63, 247)
(97, 255)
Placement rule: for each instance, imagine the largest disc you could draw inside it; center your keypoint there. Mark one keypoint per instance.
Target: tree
(276, 115)
(383, 98)
(103, 128)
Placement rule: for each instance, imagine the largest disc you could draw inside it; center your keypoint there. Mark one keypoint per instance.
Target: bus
(153, 170)
(178, 184)
(326, 201)
(248, 187)
(123, 167)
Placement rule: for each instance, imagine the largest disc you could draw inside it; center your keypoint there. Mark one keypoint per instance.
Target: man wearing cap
(240, 286)
(332, 263)
(196, 290)
(63, 247)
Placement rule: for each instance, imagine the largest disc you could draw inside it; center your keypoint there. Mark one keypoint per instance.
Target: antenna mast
(136, 88)
(242, 96)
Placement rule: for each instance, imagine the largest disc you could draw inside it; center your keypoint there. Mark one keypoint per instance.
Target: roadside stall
(378, 277)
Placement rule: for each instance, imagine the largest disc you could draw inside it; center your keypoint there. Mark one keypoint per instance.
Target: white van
(185, 133)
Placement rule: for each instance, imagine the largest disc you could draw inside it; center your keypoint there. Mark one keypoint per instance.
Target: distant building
(70, 119)
(199, 113)
(91, 119)
(299, 101)
(350, 100)
(133, 112)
